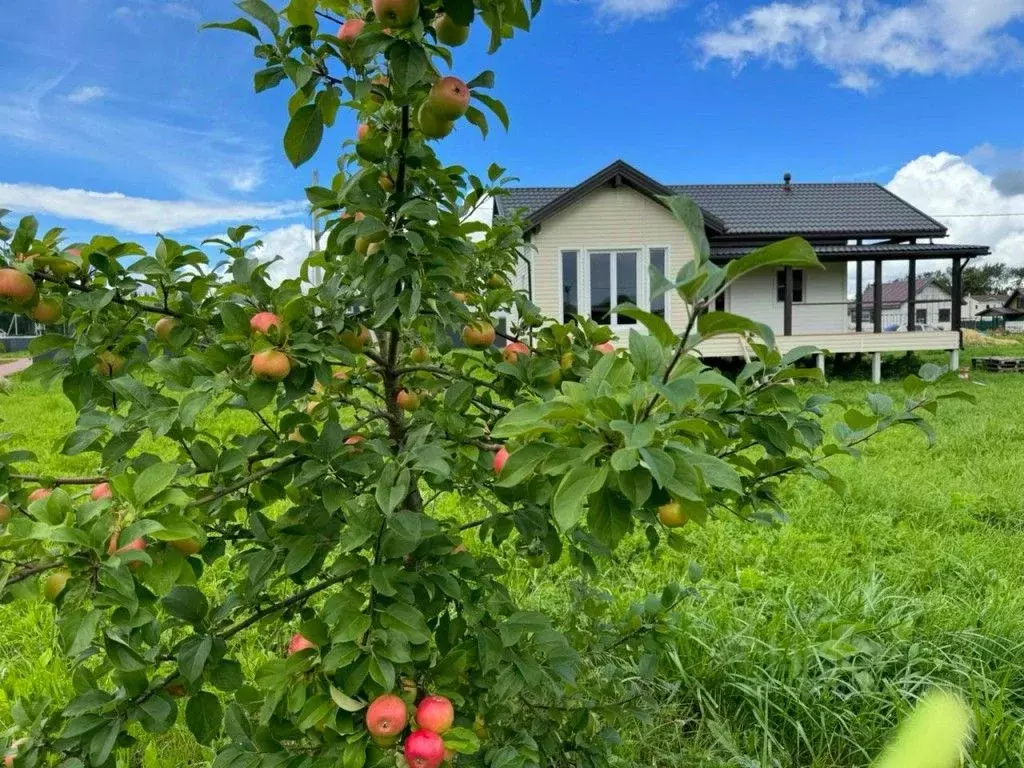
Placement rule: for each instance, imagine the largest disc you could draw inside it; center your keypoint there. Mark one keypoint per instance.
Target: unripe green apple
(109, 364)
(55, 584)
(408, 401)
(271, 365)
(355, 341)
(186, 546)
(479, 335)
(672, 515)
(432, 125)
(5, 513)
(164, 328)
(419, 355)
(396, 13)
(47, 311)
(450, 32)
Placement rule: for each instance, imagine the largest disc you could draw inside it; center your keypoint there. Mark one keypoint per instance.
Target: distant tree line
(994, 277)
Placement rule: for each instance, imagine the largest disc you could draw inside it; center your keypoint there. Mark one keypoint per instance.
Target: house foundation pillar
(876, 367)
(819, 359)
(954, 360)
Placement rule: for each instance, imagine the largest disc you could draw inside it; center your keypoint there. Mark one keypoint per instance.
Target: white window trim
(583, 285)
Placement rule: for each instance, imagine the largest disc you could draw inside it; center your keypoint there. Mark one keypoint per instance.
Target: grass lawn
(804, 641)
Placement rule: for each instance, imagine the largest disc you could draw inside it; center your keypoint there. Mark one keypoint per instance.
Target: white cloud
(291, 243)
(180, 11)
(138, 214)
(944, 184)
(628, 10)
(200, 159)
(862, 39)
(87, 93)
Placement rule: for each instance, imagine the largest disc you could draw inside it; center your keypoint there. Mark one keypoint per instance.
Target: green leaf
(608, 519)
(495, 106)
(406, 620)
(686, 211)
(263, 13)
(152, 481)
(647, 354)
(227, 675)
(408, 65)
(301, 13)
(522, 419)
(484, 80)
(716, 472)
(122, 655)
(346, 703)
(304, 133)
(204, 716)
(476, 117)
(567, 503)
(659, 329)
(462, 740)
(186, 603)
(102, 743)
(238, 25)
(192, 656)
(522, 463)
(791, 252)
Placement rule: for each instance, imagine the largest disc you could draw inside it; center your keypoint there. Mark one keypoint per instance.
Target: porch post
(911, 293)
(787, 310)
(958, 294)
(859, 306)
(876, 308)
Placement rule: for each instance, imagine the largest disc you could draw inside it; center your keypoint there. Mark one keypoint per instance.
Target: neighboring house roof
(989, 298)
(894, 293)
(865, 210)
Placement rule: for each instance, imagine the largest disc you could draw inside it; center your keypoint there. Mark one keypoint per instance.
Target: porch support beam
(859, 296)
(958, 294)
(787, 310)
(876, 367)
(911, 293)
(876, 307)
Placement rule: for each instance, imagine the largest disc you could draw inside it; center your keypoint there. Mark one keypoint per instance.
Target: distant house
(975, 304)
(1011, 312)
(933, 306)
(590, 248)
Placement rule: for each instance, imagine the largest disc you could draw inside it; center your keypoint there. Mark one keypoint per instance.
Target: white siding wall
(607, 219)
(755, 296)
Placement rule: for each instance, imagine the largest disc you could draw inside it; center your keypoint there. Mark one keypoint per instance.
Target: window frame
(780, 285)
(583, 279)
(948, 312)
(917, 315)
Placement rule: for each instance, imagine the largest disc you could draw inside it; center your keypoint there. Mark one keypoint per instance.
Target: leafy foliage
(321, 498)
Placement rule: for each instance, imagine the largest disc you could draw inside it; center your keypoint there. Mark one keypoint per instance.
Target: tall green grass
(804, 644)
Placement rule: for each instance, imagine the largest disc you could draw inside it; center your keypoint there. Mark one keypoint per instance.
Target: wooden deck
(842, 343)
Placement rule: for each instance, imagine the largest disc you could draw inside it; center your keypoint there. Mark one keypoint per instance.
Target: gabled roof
(867, 252)
(853, 210)
(894, 293)
(540, 203)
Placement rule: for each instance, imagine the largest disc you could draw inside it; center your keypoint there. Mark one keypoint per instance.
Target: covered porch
(867, 333)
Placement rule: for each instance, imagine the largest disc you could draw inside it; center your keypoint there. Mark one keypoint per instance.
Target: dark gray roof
(870, 252)
(841, 209)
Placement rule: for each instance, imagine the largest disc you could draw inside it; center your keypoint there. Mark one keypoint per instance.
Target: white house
(933, 306)
(975, 304)
(591, 245)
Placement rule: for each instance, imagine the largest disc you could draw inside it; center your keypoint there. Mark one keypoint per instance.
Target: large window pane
(658, 263)
(570, 286)
(798, 286)
(625, 283)
(600, 287)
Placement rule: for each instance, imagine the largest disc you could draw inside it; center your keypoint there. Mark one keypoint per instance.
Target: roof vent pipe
(787, 179)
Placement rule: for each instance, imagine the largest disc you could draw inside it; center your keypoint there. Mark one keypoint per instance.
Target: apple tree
(267, 550)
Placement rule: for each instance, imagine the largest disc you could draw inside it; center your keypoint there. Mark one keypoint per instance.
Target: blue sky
(120, 116)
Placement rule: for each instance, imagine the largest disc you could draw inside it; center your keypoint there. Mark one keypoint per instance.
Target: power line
(975, 215)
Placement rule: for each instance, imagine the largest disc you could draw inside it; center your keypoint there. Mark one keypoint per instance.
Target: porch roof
(872, 252)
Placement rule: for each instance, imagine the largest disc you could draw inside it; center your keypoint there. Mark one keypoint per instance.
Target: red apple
(109, 364)
(408, 401)
(431, 124)
(605, 349)
(262, 322)
(350, 30)
(450, 32)
(435, 713)
(396, 13)
(55, 584)
(479, 335)
(135, 545)
(499, 460)
(672, 515)
(354, 439)
(424, 749)
(364, 132)
(299, 643)
(47, 312)
(164, 328)
(271, 364)
(512, 352)
(16, 287)
(101, 491)
(39, 493)
(5, 513)
(449, 98)
(386, 717)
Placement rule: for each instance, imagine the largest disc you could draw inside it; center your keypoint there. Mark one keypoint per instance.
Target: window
(570, 286)
(658, 263)
(613, 280)
(798, 286)
(921, 316)
(945, 315)
(720, 302)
